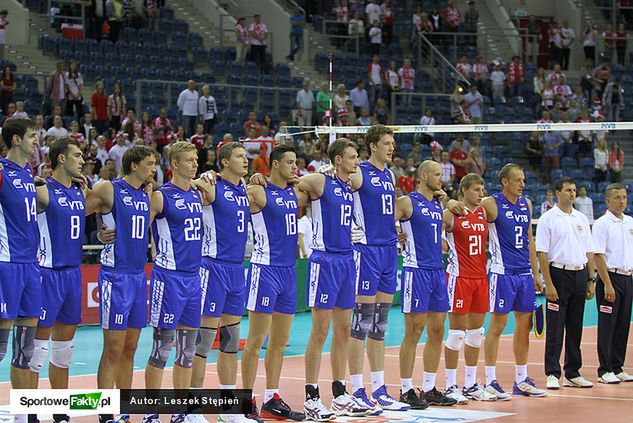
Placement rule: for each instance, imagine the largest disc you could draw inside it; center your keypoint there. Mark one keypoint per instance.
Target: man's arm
(404, 208)
(312, 185)
(155, 205)
(42, 198)
(591, 286)
(100, 198)
(256, 197)
(534, 261)
(601, 267)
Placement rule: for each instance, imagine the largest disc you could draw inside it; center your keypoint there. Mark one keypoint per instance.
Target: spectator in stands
(116, 107)
(464, 68)
(317, 161)
(579, 98)
(130, 125)
(476, 163)
(552, 141)
(601, 161)
(179, 135)
(3, 30)
(620, 44)
(359, 97)
(381, 112)
(322, 100)
(392, 80)
(549, 201)
(554, 43)
(497, 82)
(253, 147)
(188, 105)
(356, 27)
(452, 17)
(146, 130)
(208, 110)
(364, 119)
(463, 142)
(259, 33)
(347, 117)
(567, 38)
(613, 100)
(583, 203)
(57, 130)
(252, 123)
(448, 172)
(375, 38)
(538, 81)
(459, 159)
(162, 128)
(568, 149)
(74, 83)
(426, 120)
(372, 12)
(474, 104)
(387, 15)
(99, 105)
(50, 120)
(7, 87)
(198, 138)
(584, 138)
(616, 162)
(589, 41)
(562, 92)
(116, 15)
(261, 163)
(516, 75)
(210, 162)
(480, 74)
(242, 39)
(407, 79)
(297, 22)
(534, 39)
(57, 86)
(152, 13)
(305, 104)
(374, 75)
(406, 182)
(92, 138)
(471, 19)
(40, 132)
(534, 149)
(87, 124)
(340, 97)
(455, 100)
(19, 110)
(610, 38)
(267, 121)
(76, 134)
(601, 76)
(548, 96)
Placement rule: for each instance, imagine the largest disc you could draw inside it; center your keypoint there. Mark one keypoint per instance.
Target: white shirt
(57, 132)
(613, 237)
(425, 120)
(188, 102)
(259, 29)
(475, 101)
(585, 206)
(375, 35)
(373, 13)
(116, 154)
(305, 228)
(207, 108)
(568, 35)
(252, 145)
(565, 237)
(497, 77)
(305, 99)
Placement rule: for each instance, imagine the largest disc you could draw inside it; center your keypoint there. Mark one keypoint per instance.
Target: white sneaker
(552, 382)
(494, 388)
(195, 418)
(234, 418)
(316, 411)
(577, 382)
(455, 393)
(346, 405)
(609, 378)
(478, 393)
(624, 377)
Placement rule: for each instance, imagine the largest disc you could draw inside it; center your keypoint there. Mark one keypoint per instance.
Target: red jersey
(467, 245)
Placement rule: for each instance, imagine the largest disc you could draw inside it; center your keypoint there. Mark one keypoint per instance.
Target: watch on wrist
(592, 279)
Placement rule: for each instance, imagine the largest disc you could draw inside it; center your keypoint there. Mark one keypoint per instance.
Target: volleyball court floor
(609, 403)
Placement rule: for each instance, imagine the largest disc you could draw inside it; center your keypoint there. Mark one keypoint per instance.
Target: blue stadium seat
(568, 162)
(556, 173)
(602, 186)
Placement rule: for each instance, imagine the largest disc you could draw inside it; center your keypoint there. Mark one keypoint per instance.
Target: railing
(75, 5)
(344, 41)
(226, 25)
(402, 99)
(612, 53)
(443, 72)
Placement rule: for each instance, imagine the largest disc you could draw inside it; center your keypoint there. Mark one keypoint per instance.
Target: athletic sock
(428, 382)
(520, 372)
(357, 382)
(269, 394)
(312, 391)
(377, 380)
(406, 385)
(470, 377)
(491, 374)
(451, 377)
(228, 386)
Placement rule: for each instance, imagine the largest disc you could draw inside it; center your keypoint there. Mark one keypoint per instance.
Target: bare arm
(155, 205)
(256, 197)
(447, 221)
(100, 198)
(312, 185)
(404, 208)
(356, 179)
(534, 262)
(591, 287)
(42, 198)
(552, 295)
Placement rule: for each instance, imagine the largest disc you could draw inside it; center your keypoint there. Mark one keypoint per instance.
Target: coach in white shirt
(565, 254)
(613, 249)
(188, 106)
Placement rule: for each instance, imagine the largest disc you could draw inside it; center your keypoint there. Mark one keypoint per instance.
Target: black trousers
(614, 320)
(564, 321)
(564, 57)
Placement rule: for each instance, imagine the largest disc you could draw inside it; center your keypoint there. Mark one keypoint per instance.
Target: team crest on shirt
(631, 231)
(580, 229)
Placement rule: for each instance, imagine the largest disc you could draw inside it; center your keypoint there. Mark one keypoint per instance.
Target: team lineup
(198, 229)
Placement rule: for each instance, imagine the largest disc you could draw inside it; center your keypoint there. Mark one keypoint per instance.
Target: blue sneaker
(495, 389)
(381, 397)
(373, 409)
(527, 388)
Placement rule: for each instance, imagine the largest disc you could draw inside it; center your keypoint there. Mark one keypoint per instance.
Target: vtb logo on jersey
(74, 205)
(241, 200)
(138, 205)
(192, 207)
(434, 214)
(517, 218)
(289, 204)
(477, 227)
(28, 186)
(345, 194)
(386, 185)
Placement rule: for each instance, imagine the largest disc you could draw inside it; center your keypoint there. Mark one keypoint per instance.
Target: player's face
(616, 201)
(567, 195)
(474, 194)
(516, 182)
(146, 169)
(433, 177)
(384, 148)
(238, 163)
(288, 165)
(74, 161)
(187, 164)
(349, 160)
(28, 143)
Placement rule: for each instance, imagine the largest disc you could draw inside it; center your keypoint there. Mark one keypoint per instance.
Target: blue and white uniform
(423, 277)
(223, 247)
(332, 271)
(122, 279)
(175, 285)
(272, 283)
(376, 254)
(511, 285)
(61, 237)
(20, 288)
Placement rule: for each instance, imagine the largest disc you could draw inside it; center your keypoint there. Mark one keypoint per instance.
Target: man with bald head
(188, 106)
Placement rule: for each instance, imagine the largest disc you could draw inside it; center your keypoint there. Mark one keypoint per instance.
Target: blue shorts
(331, 279)
(511, 292)
(20, 290)
(272, 288)
(424, 290)
(223, 288)
(61, 296)
(377, 269)
(175, 299)
(122, 299)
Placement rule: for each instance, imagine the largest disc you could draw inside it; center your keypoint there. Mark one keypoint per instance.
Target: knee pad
(381, 317)
(206, 336)
(185, 347)
(474, 337)
(161, 347)
(455, 339)
(362, 320)
(40, 354)
(23, 337)
(61, 353)
(4, 342)
(230, 338)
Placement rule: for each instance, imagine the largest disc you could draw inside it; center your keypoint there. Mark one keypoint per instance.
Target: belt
(621, 272)
(566, 266)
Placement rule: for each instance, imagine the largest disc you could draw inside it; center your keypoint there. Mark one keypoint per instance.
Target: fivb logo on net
(64, 401)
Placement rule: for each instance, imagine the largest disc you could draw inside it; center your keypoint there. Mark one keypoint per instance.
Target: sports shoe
(577, 382)
(361, 398)
(527, 388)
(346, 405)
(277, 409)
(435, 397)
(413, 400)
(195, 418)
(59, 418)
(151, 418)
(478, 393)
(552, 382)
(381, 397)
(624, 377)
(316, 411)
(178, 418)
(123, 418)
(234, 418)
(254, 413)
(609, 378)
(455, 393)
(495, 389)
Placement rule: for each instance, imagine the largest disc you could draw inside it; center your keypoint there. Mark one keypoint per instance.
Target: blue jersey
(373, 206)
(509, 236)
(62, 226)
(177, 230)
(423, 248)
(332, 217)
(275, 228)
(226, 223)
(18, 214)
(129, 216)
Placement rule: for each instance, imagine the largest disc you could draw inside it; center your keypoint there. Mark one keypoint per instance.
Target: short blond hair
(180, 147)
